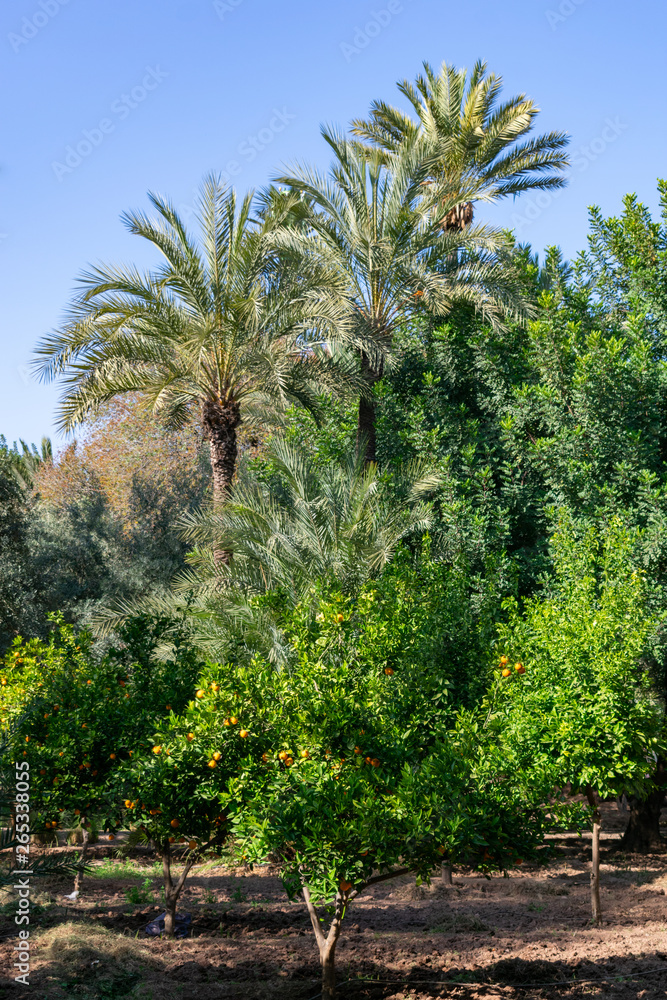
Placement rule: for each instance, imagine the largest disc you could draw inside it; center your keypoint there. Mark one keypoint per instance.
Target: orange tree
(350, 783)
(175, 789)
(582, 712)
(75, 716)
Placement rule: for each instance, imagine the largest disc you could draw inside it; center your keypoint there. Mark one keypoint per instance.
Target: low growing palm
(302, 527)
(224, 325)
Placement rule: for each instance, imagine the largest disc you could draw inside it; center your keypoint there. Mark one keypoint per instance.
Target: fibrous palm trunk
(366, 437)
(220, 422)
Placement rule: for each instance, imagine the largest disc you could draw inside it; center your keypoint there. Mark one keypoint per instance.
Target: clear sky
(106, 99)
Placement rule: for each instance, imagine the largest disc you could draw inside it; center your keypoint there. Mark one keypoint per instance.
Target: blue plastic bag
(182, 924)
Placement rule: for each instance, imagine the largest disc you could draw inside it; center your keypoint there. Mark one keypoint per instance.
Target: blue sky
(157, 93)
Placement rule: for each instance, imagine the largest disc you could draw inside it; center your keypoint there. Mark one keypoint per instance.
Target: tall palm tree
(224, 325)
(470, 140)
(372, 221)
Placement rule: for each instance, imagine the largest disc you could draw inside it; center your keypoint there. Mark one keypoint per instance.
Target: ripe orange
(77, 812)
(200, 693)
(212, 763)
(168, 708)
(340, 618)
(375, 762)
(89, 682)
(519, 667)
(157, 749)
(172, 839)
(122, 683)
(282, 755)
(112, 756)
(243, 733)
(506, 672)
(289, 761)
(174, 823)
(357, 749)
(305, 754)
(215, 687)
(345, 886)
(112, 836)
(192, 844)
(233, 720)
(503, 661)
(388, 671)
(368, 760)
(42, 771)
(217, 755)
(128, 803)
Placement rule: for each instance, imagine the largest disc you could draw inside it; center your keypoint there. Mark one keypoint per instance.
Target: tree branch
(314, 919)
(379, 878)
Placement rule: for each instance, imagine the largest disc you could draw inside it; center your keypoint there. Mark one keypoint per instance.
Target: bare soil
(524, 936)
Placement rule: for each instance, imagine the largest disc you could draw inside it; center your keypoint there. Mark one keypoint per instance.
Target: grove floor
(526, 936)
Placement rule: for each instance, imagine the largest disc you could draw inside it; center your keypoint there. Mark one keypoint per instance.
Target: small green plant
(139, 894)
(239, 896)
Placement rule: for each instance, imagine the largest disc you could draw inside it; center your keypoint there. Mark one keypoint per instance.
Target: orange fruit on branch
(519, 667)
(174, 823)
(212, 763)
(244, 733)
(506, 672)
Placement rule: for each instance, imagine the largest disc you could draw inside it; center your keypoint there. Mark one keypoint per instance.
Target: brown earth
(524, 937)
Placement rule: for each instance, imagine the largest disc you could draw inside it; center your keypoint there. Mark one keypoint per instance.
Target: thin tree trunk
(446, 874)
(172, 891)
(327, 944)
(78, 878)
(596, 908)
(220, 422)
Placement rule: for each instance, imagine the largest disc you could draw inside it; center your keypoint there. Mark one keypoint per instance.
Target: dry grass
(90, 961)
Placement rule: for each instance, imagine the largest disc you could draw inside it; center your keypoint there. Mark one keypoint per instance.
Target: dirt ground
(527, 936)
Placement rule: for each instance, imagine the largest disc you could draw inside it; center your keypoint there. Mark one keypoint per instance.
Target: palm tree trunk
(220, 421)
(366, 441)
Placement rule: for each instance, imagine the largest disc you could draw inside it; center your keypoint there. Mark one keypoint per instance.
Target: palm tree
(301, 525)
(226, 325)
(470, 141)
(372, 222)
(340, 523)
